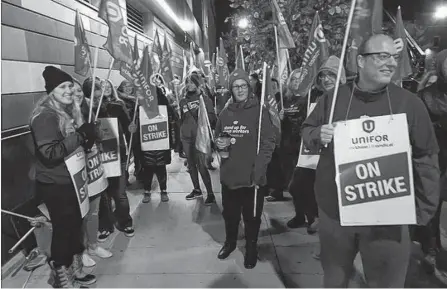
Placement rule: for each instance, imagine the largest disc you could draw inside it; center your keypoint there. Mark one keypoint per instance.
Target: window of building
(134, 19)
(94, 3)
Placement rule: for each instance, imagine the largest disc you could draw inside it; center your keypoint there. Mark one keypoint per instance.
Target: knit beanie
(238, 73)
(194, 78)
(53, 76)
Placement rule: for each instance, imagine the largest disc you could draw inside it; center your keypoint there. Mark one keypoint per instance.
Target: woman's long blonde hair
(69, 117)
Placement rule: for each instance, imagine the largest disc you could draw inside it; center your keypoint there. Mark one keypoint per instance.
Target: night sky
(409, 8)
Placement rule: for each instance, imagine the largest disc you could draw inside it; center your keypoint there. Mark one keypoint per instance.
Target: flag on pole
(222, 65)
(82, 51)
(239, 60)
(368, 20)
(282, 66)
(316, 54)
(117, 40)
(203, 140)
(166, 66)
(192, 58)
(157, 53)
(403, 65)
(270, 100)
(284, 37)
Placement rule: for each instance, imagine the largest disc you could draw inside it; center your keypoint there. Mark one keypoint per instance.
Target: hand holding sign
(132, 128)
(327, 133)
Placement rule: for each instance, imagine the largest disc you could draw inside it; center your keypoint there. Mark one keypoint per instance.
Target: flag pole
(242, 57)
(102, 88)
(236, 54)
(342, 57)
(288, 61)
(279, 72)
(131, 135)
(90, 114)
(258, 145)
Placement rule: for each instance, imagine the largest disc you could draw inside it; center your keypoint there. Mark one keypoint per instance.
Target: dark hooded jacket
(244, 167)
(159, 157)
(434, 97)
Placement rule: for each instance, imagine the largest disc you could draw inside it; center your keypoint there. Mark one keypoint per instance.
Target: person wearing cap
(57, 129)
(197, 161)
(384, 250)
(243, 170)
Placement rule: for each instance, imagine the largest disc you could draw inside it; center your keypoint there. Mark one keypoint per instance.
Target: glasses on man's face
(238, 87)
(383, 56)
(329, 77)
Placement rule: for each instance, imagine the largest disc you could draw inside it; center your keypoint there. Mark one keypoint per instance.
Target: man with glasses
(385, 250)
(243, 169)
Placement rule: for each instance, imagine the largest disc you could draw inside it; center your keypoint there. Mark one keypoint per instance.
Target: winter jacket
(189, 110)
(160, 157)
(422, 139)
(244, 168)
(435, 99)
(52, 147)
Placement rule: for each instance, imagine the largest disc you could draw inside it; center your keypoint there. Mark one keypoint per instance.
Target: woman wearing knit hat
(197, 161)
(243, 170)
(58, 130)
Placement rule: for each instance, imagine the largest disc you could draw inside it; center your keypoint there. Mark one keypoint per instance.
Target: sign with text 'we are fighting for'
(374, 171)
(154, 132)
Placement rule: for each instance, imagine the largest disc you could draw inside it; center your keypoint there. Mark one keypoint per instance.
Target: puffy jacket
(160, 157)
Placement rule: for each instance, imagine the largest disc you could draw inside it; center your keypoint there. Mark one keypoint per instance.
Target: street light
(243, 23)
(441, 12)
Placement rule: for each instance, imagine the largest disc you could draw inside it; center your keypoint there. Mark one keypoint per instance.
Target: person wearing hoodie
(243, 170)
(197, 161)
(434, 97)
(385, 250)
(58, 130)
(302, 185)
(155, 161)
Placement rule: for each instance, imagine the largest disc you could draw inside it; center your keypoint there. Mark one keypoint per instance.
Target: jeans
(116, 191)
(66, 220)
(197, 162)
(162, 177)
(385, 252)
(303, 194)
(235, 202)
(90, 223)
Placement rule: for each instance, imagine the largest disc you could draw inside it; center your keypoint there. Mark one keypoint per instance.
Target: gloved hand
(88, 132)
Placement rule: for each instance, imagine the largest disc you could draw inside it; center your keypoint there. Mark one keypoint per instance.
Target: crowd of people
(254, 165)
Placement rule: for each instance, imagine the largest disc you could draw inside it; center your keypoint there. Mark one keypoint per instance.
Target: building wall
(37, 33)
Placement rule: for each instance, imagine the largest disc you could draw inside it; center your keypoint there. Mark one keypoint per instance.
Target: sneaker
(147, 198)
(100, 252)
(210, 199)
(104, 235)
(296, 222)
(128, 231)
(87, 261)
(195, 194)
(164, 197)
(312, 228)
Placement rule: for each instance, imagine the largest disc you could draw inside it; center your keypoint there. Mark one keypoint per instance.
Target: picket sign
(306, 158)
(75, 163)
(109, 146)
(374, 173)
(154, 132)
(97, 182)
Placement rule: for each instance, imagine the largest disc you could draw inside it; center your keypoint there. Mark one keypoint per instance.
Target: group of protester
(254, 165)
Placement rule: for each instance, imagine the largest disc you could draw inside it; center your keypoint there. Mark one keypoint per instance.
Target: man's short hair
(275, 80)
(363, 48)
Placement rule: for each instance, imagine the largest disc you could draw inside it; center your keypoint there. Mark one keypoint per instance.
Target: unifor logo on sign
(374, 179)
(154, 131)
(368, 126)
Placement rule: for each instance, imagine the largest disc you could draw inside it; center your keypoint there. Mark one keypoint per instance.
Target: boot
(226, 250)
(60, 277)
(251, 254)
(78, 274)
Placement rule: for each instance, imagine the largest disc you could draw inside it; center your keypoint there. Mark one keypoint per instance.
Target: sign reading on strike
(308, 159)
(110, 154)
(154, 132)
(75, 163)
(374, 171)
(97, 182)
